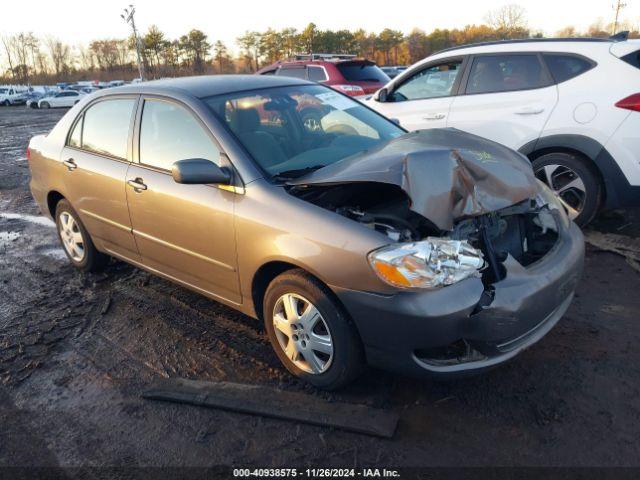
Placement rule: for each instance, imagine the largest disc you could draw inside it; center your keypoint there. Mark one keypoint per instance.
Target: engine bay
(526, 231)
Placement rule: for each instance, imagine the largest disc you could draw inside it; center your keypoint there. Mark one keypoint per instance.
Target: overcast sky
(78, 22)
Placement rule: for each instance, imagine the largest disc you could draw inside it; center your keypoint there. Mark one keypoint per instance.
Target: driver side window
(432, 82)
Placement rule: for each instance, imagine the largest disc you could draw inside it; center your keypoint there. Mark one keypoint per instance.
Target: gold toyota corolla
(433, 252)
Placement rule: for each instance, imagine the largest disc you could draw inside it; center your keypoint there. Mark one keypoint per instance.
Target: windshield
(290, 131)
(362, 72)
(3, 90)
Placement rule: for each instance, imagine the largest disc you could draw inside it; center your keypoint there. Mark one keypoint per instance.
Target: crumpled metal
(447, 174)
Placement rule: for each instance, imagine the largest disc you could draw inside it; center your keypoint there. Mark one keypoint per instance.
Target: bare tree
(6, 42)
(60, 54)
(510, 20)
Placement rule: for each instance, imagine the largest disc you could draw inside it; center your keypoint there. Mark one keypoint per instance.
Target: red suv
(346, 73)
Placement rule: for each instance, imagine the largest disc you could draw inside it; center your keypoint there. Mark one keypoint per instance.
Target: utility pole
(617, 7)
(127, 16)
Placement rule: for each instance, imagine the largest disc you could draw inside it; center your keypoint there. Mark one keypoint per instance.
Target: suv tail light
(632, 102)
(28, 154)
(351, 90)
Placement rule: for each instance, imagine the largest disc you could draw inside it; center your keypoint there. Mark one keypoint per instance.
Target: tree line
(32, 60)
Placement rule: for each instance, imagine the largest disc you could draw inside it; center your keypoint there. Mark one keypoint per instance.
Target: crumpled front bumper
(398, 329)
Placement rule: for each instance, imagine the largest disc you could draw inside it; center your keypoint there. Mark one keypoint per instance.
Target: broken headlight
(430, 263)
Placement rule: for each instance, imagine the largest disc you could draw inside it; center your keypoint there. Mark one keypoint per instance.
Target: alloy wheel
(71, 236)
(567, 185)
(302, 333)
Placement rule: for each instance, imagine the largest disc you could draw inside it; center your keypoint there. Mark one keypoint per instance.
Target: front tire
(75, 239)
(310, 332)
(573, 181)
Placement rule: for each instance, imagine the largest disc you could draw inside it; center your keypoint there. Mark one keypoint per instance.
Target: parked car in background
(429, 253)
(345, 73)
(572, 106)
(64, 98)
(32, 98)
(12, 95)
(115, 83)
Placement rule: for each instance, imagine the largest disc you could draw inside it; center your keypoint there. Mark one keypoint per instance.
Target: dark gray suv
(354, 241)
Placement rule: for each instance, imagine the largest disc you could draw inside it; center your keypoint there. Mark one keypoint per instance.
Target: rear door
(424, 98)
(96, 158)
(505, 97)
(185, 232)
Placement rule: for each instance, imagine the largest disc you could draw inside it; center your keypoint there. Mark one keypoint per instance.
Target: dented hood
(448, 174)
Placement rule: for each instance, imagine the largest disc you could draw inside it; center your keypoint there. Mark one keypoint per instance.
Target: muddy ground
(77, 350)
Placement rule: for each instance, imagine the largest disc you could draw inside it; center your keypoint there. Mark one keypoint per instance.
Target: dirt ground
(77, 350)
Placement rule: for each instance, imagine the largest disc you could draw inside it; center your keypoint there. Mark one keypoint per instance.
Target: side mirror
(395, 120)
(199, 171)
(382, 95)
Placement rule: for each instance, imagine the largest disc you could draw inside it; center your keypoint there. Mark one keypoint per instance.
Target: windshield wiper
(295, 173)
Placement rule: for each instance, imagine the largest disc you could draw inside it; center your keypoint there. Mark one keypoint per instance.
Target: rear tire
(76, 241)
(45, 105)
(574, 181)
(332, 326)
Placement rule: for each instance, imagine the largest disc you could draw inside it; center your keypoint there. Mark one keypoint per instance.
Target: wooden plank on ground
(275, 403)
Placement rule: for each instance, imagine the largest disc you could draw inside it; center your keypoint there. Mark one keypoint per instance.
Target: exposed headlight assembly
(430, 263)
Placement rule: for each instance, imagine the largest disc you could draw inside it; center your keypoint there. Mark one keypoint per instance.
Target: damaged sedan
(355, 242)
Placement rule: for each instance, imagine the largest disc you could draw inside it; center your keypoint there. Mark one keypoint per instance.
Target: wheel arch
(270, 270)
(591, 152)
(53, 198)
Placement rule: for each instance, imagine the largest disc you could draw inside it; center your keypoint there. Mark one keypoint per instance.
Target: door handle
(529, 111)
(137, 184)
(434, 116)
(70, 164)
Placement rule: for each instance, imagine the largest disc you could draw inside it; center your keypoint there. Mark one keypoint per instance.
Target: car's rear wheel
(45, 105)
(310, 332)
(574, 183)
(75, 239)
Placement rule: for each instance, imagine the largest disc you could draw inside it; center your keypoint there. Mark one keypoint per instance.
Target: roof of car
(208, 85)
(528, 40)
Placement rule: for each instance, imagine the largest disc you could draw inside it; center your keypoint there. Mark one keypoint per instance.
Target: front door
(185, 232)
(95, 163)
(508, 99)
(423, 100)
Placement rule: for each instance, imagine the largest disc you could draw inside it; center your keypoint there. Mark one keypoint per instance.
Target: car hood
(447, 174)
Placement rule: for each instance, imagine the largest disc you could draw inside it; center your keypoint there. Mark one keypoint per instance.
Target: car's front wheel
(76, 241)
(6, 103)
(574, 183)
(310, 332)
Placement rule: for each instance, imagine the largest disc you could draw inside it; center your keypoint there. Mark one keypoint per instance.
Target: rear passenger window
(316, 74)
(506, 73)
(633, 58)
(293, 72)
(75, 139)
(106, 127)
(564, 67)
(169, 133)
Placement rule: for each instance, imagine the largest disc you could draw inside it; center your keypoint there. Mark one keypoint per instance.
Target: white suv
(572, 106)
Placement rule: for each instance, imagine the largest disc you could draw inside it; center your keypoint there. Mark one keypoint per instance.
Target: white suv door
(423, 99)
(504, 97)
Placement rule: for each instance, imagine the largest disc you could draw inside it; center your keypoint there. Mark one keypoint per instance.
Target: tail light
(351, 90)
(28, 154)
(632, 102)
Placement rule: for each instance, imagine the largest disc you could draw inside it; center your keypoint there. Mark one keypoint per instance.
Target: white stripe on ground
(29, 218)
